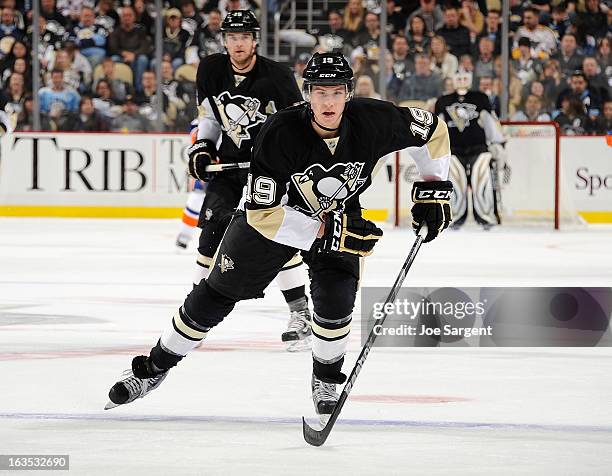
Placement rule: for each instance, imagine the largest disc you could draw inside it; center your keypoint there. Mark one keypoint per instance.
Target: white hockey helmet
(462, 82)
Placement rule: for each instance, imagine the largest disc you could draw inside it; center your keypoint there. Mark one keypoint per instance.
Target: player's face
(240, 47)
(327, 103)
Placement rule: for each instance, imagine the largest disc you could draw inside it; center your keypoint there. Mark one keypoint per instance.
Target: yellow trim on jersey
(439, 143)
(266, 221)
(331, 333)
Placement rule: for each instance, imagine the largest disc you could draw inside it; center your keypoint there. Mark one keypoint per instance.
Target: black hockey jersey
(239, 110)
(295, 178)
(466, 118)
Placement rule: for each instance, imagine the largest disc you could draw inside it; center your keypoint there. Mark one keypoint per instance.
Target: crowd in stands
(560, 66)
(98, 68)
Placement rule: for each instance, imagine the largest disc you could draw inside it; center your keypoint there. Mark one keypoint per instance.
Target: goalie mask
(327, 69)
(462, 82)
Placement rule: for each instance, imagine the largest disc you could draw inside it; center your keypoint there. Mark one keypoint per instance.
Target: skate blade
(110, 405)
(299, 345)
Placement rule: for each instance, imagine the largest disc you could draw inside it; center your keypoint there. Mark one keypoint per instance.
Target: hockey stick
(222, 167)
(318, 437)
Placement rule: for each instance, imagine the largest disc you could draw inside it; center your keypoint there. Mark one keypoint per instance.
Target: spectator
(418, 39)
(484, 62)
(593, 20)
(73, 78)
(567, 56)
(229, 5)
(147, 100)
(442, 61)
(604, 56)
(560, 22)
(431, 14)
(119, 89)
(396, 21)
(299, 65)
(603, 123)
(88, 119)
(104, 102)
(80, 64)
(402, 64)
(421, 86)
(58, 97)
(471, 18)
(143, 18)
(592, 99)
(368, 39)
(89, 37)
(18, 51)
(551, 80)
(18, 18)
(527, 68)
(173, 89)
(129, 43)
(52, 36)
(537, 89)
(466, 64)
(457, 37)
(594, 76)
(19, 67)
(448, 86)
(542, 38)
(353, 16)
(492, 30)
(175, 39)
(572, 120)
(192, 20)
(8, 28)
(532, 111)
(517, 9)
(50, 13)
(130, 119)
(485, 86)
(106, 16)
(515, 87)
(25, 119)
(209, 39)
(14, 95)
(334, 36)
(364, 88)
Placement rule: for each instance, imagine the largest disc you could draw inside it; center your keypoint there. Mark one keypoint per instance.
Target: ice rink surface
(79, 298)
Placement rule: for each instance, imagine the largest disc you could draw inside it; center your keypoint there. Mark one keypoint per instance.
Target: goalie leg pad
(457, 175)
(483, 194)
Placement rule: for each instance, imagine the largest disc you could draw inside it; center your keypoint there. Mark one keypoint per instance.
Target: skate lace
(135, 386)
(324, 391)
(299, 321)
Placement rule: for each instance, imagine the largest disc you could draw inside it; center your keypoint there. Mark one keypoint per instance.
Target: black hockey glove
(202, 153)
(432, 207)
(349, 234)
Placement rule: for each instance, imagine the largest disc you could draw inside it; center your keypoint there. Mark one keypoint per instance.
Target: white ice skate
(182, 240)
(135, 383)
(324, 397)
(298, 335)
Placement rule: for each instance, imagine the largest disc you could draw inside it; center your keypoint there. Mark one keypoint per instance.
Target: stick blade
(315, 437)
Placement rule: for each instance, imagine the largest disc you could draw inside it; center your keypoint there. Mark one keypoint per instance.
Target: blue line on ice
(297, 421)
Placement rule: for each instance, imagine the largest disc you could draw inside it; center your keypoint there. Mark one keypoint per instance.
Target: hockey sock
(296, 298)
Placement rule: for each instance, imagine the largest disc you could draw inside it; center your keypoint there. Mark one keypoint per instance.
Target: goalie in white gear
(477, 147)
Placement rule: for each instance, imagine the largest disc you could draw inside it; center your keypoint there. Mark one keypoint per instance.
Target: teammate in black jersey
(236, 93)
(309, 165)
(478, 152)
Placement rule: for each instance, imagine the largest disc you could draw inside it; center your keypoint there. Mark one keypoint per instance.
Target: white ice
(79, 298)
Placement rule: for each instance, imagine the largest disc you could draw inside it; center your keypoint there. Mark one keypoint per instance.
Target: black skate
(325, 397)
(298, 335)
(182, 240)
(135, 383)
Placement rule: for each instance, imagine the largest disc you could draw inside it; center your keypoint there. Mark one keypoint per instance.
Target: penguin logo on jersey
(226, 263)
(461, 115)
(238, 115)
(327, 189)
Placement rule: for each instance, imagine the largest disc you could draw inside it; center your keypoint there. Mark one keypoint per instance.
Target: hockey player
(237, 91)
(195, 199)
(309, 165)
(477, 152)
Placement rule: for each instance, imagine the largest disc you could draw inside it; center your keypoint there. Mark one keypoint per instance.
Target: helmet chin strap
(326, 129)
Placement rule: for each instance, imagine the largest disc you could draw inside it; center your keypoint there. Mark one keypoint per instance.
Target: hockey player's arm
(266, 196)
(430, 149)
